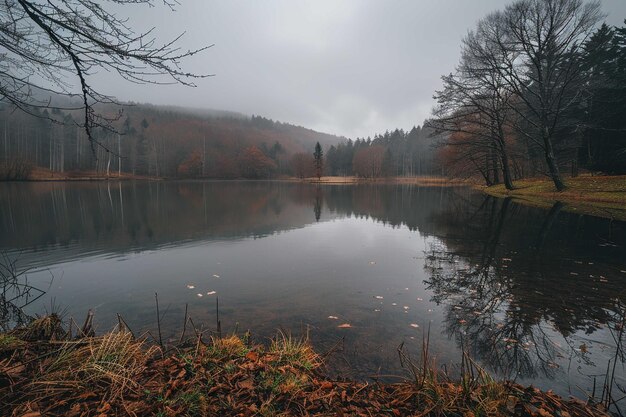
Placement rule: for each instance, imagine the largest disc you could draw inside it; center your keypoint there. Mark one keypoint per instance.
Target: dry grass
(109, 364)
(603, 196)
(226, 348)
(296, 352)
(115, 374)
(421, 180)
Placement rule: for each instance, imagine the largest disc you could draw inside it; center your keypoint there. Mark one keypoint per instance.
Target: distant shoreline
(46, 176)
(596, 195)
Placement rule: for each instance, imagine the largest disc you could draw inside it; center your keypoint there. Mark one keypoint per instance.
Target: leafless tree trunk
(539, 41)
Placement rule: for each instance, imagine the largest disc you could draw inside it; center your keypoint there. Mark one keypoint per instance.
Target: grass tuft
(109, 364)
(294, 352)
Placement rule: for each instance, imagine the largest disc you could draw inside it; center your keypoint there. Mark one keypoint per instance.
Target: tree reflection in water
(15, 293)
(509, 292)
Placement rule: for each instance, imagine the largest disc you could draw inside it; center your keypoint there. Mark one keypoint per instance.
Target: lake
(536, 295)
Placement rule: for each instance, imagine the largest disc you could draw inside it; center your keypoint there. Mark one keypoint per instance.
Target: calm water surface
(536, 295)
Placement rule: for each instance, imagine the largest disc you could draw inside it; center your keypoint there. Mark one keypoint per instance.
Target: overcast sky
(352, 68)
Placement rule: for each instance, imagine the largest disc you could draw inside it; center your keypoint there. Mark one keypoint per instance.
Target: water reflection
(517, 281)
(533, 294)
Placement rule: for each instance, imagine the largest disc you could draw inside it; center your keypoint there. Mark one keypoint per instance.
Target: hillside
(163, 141)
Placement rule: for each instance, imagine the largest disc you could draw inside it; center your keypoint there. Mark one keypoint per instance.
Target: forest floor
(603, 196)
(45, 371)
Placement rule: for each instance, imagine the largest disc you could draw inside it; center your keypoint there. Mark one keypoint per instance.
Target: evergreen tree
(318, 155)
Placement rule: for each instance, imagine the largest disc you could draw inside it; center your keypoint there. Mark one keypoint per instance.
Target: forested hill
(161, 141)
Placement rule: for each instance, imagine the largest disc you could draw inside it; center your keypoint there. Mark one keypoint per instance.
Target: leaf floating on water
(215, 276)
(583, 348)
(573, 273)
(394, 304)
(211, 293)
(372, 262)
(506, 259)
(377, 310)
(406, 307)
(419, 299)
(430, 310)
(333, 317)
(414, 325)
(191, 286)
(345, 326)
(406, 289)
(378, 297)
(199, 295)
(462, 321)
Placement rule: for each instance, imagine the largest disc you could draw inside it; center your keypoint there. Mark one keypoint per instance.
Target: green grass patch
(602, 196)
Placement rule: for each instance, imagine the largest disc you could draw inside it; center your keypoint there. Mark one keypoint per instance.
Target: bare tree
(52, 47)
(475, 101)
(539, 42)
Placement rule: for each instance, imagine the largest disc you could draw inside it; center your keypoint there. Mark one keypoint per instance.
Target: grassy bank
(603, 196)
(422, 180)
(46, 371)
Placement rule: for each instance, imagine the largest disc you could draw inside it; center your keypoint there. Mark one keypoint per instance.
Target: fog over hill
(151, 140)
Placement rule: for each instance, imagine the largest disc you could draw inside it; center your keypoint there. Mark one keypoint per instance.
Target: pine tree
(319, 160)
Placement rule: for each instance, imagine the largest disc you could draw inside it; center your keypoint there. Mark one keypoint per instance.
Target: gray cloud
(352, 68)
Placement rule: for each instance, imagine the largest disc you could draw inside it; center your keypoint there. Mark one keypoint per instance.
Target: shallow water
(535, 295)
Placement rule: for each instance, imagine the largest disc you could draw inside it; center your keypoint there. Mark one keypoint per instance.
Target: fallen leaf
(414, 325)
(211, 293)
(199, 295)
(191, 286)
(252, 355)
(246, 384)
(215, 276)
(344, 326)
(333, 317)
(106, 407)
(378, 297)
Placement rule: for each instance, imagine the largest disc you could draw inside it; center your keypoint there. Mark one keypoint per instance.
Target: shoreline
(46, 371)
(601, 196)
